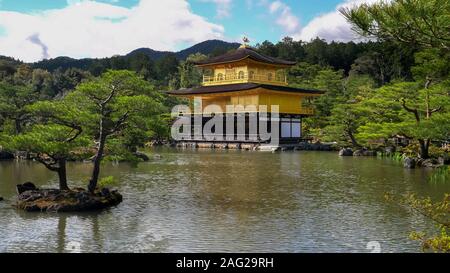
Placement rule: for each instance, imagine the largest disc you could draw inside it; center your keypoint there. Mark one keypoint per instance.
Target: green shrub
(397, 156)
(440, 175)
(436, 211)
(107, 181)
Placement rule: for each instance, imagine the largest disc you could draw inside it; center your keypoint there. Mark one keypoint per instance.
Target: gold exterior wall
(289, 103)
(245, 71)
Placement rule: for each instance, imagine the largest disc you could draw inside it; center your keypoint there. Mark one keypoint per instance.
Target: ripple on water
(221, 201)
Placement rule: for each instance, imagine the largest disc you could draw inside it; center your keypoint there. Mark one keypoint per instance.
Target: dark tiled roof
(242, 53)
(240, 87)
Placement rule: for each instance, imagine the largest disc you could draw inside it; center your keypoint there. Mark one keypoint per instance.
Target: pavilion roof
(242, 53)
(213, 89)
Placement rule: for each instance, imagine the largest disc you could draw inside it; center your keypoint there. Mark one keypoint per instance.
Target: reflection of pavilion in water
(247, 189)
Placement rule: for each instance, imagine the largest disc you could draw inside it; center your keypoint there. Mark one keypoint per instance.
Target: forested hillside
(376, 90)
(380, 60)
(98, 66)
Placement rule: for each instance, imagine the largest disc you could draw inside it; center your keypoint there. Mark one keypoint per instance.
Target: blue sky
(257, 22)
(159, 24)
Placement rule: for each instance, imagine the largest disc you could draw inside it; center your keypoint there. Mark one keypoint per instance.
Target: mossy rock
(68, 200)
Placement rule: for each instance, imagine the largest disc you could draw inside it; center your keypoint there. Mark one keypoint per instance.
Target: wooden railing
(301, 111)
(268, 78)
(307, 111)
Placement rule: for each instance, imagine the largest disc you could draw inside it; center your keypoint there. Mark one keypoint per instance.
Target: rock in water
(65, 201)
(346, 152)
(390, 150)
(142, 156)
(364, 152)
(430, 163)
(444, 160)
(1, 199)
(27, 186)
(409, 163)
(369, 153)
(6, 156)
(105, 192)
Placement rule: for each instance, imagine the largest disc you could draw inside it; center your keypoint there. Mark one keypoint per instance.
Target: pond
(227, 201)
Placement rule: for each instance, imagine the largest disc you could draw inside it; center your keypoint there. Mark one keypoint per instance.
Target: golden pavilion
(244, 77)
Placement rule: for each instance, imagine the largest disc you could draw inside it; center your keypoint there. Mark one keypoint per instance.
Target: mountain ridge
(208, 47)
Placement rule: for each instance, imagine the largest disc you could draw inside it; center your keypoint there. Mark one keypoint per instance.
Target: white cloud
(92, 29)
(285, 18)
(223, 9)
(331, 26)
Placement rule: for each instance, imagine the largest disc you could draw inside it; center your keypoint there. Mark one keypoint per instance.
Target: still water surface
(221, 201)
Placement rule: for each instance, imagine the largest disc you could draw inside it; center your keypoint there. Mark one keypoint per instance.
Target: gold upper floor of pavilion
(244, 65)
(245, 77)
